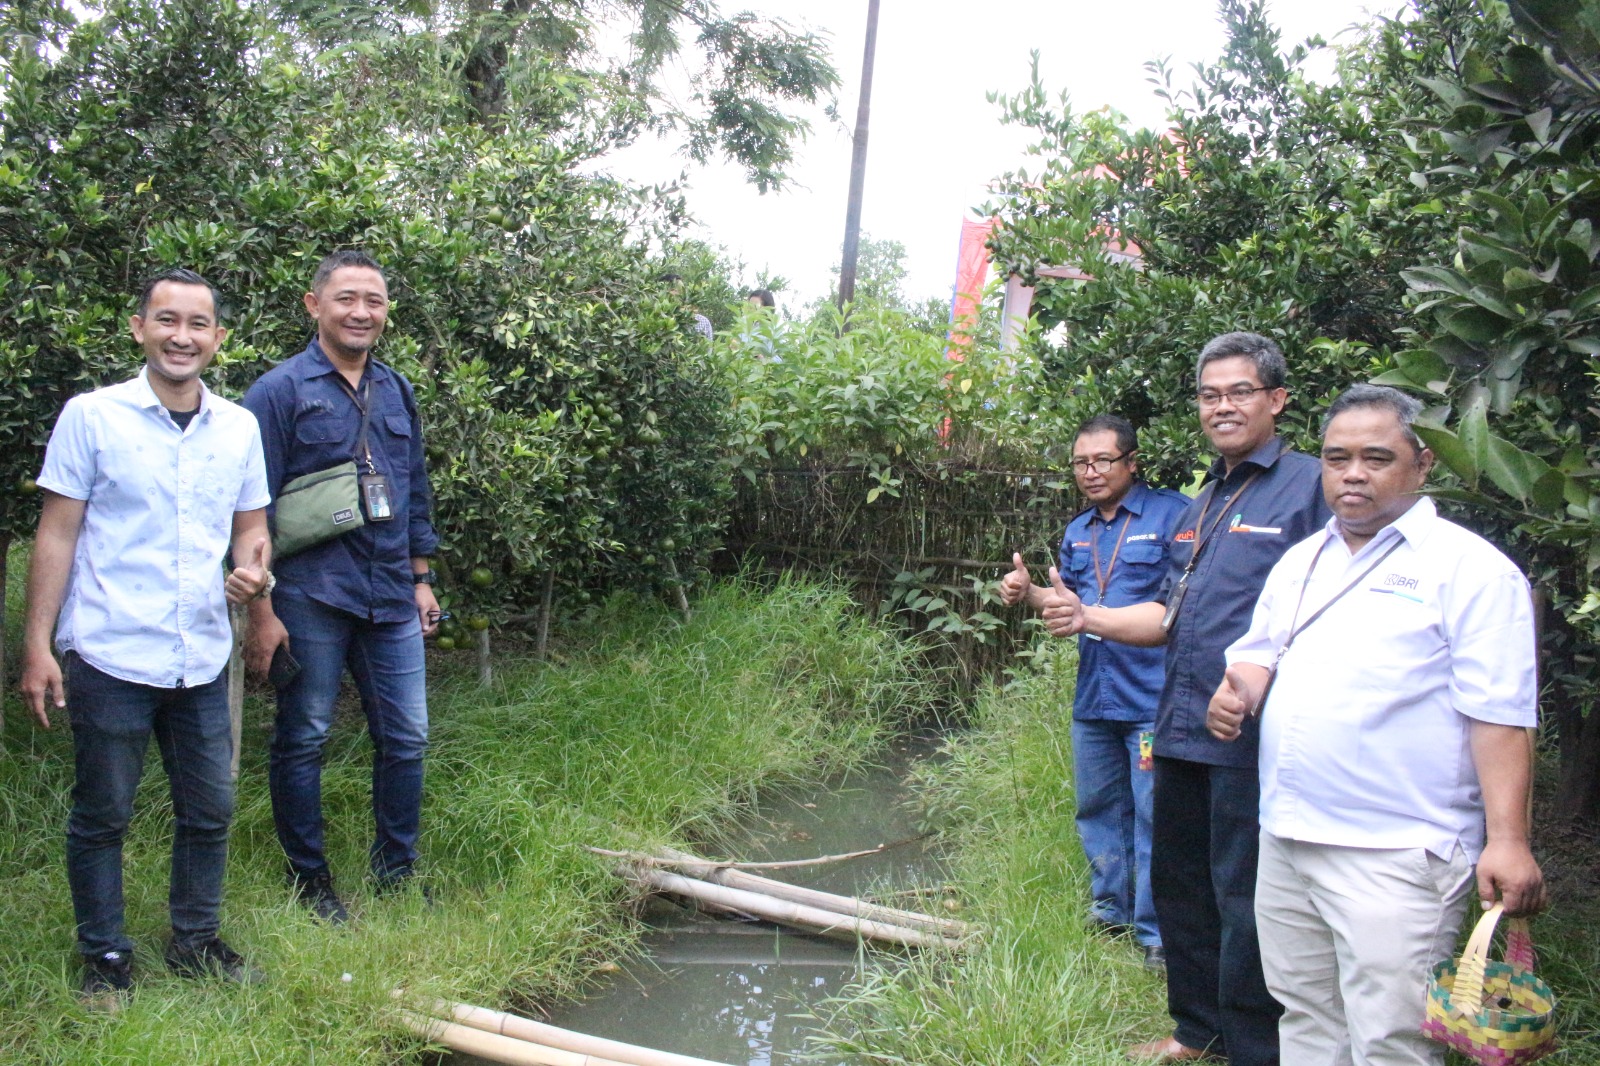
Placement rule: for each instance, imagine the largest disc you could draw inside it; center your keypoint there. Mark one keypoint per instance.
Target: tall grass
(1040, 989)
(648, 730)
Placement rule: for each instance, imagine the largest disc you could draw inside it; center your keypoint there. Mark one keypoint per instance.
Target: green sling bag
(321, 505)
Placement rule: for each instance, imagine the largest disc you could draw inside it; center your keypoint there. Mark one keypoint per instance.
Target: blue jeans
(112, 721)
(1207, 837)
(385, 659)
(1114, 804)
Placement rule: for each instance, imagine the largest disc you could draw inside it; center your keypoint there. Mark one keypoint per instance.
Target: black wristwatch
(427, 577)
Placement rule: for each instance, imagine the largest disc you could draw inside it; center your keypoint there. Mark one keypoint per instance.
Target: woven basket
(1495, 1013)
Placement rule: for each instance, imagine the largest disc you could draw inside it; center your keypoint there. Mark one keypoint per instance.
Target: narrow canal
(739, 992)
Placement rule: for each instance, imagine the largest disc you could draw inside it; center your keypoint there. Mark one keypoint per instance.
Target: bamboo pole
(707, 871)
(495, 1048)
(526, 1029)
(785, 912)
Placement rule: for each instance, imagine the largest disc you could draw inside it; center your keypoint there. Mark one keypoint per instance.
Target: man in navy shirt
(363, 600)
(1259, 498)
(1114, 553)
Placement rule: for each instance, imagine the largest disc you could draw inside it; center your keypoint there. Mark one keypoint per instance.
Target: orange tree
(1270, 202)
(1509, 327)
(569, 427)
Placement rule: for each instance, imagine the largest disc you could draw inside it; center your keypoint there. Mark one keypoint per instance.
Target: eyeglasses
(1099, 466)
(1236, 395)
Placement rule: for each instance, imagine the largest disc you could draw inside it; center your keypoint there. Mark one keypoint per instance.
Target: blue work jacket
(1280, 508)
(309, 423)
(1120, 682)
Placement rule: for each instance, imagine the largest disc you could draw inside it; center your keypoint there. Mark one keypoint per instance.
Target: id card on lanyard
(376, 504)
(1202, 541)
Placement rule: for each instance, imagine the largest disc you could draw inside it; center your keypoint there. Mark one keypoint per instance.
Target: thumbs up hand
(247, 582)
(1014, 587)
(1061, 608)
(1234, 698)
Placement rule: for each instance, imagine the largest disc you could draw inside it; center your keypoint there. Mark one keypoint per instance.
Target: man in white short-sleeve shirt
(1391, 658)
(148, 484)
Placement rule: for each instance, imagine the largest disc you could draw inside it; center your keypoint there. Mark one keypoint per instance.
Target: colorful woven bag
(1495, 1013)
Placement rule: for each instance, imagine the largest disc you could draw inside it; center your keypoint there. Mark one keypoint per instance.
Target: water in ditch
(736, 992)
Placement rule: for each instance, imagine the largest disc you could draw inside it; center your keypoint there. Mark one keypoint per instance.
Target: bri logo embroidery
(1399, 585)
(1184, 537)
(1080, 544)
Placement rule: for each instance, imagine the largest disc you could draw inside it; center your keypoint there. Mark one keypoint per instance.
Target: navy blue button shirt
(1119, 682)
(1282, 507)
(309, 423)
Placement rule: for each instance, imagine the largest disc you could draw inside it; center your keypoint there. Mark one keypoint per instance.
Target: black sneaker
(1155, 958)
(405, 882)
(107, 980)
(316, 891)
(212, 958)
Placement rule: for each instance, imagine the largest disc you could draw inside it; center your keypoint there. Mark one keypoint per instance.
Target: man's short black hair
(764, 295)
(345, 257)
(1404, 408)
(178, 276)
(1127, 436)
(1270, 365)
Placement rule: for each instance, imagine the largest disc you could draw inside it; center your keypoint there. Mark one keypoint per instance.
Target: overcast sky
(935, 142)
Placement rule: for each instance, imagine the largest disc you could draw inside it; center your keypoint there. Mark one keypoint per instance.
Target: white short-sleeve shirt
(1365, 737)
(145, 599)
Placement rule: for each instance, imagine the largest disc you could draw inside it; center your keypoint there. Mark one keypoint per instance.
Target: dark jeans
(1114, 815)
(112, 721)
(385, 659)
(1203, 874)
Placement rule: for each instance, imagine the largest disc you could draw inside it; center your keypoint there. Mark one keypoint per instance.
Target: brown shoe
(1167, 1049)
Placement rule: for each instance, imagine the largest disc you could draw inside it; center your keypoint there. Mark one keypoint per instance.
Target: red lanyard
(1102, 580)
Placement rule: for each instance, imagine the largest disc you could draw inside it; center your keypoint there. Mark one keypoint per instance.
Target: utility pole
(858, 164)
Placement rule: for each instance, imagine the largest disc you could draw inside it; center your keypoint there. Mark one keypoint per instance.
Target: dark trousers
(1203, 875)
(385, 659)
(112, 721)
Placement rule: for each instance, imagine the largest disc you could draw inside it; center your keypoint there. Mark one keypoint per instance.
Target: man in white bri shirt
(147, 484)
(1391, 658)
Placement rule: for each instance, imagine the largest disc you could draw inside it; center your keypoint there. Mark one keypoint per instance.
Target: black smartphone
(284, 669)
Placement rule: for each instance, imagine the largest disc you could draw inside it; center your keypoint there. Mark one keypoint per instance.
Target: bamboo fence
(960, 522)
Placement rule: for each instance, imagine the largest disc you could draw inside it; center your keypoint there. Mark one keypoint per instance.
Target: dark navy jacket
(309, 423)
(1120, 682)
(1282, 507)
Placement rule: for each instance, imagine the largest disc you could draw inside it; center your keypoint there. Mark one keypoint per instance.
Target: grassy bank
(646, 730)
(1039, 988)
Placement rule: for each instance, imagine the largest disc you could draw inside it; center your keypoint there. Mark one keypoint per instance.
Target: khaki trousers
(1348, 936)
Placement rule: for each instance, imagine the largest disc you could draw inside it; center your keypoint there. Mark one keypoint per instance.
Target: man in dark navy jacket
(1259, 498)
(1113, 553)
(363, 600)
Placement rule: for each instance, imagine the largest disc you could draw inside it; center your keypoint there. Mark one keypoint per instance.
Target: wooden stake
(546, 602)
(677, 586)
(485, 674)
(238, 620)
